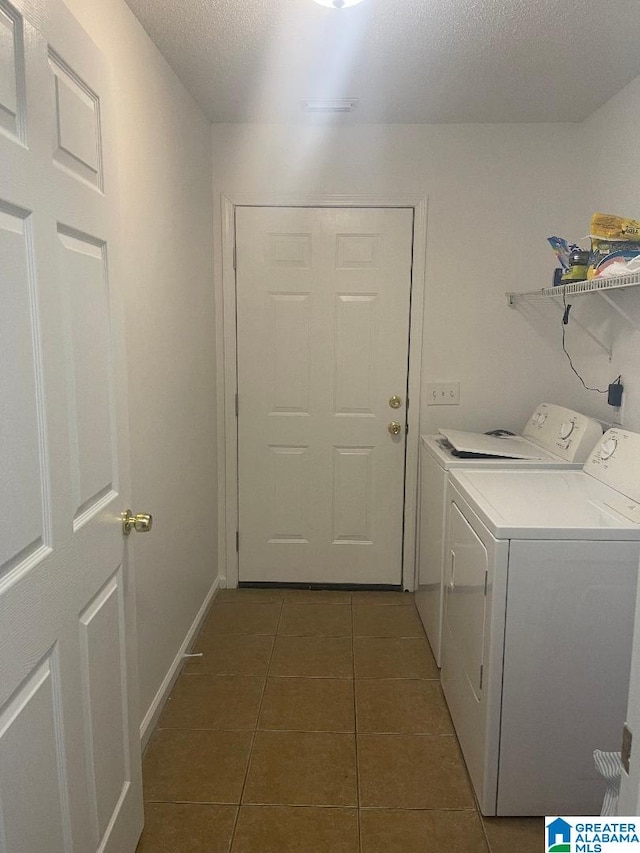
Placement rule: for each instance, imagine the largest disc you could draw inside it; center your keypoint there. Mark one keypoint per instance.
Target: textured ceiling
(406, 61)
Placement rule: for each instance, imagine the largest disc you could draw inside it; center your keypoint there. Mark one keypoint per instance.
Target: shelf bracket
(594, 338)
(614, 305)
(600, 286)
(513, 299)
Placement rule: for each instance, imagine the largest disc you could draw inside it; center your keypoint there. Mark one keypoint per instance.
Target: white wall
(612, 133)
(495, 193)
(164, 164)
(612, 184)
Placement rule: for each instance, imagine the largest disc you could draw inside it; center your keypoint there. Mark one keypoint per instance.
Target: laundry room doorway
(324, 300)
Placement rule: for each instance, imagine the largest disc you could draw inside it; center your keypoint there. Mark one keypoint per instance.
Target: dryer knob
(608, 448)
(542, 416)
(566, 429)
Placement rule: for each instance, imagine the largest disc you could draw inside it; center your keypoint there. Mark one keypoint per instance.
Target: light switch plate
(443, 393)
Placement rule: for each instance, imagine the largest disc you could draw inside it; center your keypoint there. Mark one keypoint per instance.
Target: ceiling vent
(338, 4)
(329, 105)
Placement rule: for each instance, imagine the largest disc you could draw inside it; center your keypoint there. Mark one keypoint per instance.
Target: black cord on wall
(565, 321)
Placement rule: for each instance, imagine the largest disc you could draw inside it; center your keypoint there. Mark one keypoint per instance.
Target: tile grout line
(255, 731)
(464, 809)
(450, 735)
(484, 830)
(477, 810)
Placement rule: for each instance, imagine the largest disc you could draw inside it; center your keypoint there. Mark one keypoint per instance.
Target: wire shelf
(595, 285)
(600, 286)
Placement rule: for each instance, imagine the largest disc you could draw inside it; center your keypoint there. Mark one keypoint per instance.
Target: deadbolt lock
(395, 428)
(395, 402)
(141, 522)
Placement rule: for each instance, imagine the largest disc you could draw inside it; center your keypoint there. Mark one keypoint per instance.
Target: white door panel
(323, 300)
(69, 742)
(22, 470)
(11, 73)
(30, 750)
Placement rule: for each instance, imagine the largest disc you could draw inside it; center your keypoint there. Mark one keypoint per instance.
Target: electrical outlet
(617, 416)
(443, 393)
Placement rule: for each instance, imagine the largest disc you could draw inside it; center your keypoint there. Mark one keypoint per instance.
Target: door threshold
(357, 587)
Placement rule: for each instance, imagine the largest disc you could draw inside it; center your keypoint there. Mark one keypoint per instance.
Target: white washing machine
(553, 437)
(539, 610)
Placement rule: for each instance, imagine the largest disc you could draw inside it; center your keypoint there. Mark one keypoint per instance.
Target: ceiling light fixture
(338, 4)
(329, 105)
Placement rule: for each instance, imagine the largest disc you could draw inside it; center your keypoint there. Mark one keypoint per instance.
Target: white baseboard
(151, 717)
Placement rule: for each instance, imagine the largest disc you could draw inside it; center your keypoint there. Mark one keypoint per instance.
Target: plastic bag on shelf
(613, 257)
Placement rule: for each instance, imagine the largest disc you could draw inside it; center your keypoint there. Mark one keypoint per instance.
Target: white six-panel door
(323, 300)
(69, 742)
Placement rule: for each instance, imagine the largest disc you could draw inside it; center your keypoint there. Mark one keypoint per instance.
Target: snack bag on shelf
(606, 226)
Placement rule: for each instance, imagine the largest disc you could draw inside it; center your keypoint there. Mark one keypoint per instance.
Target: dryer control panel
(568, 434)
(615, 460)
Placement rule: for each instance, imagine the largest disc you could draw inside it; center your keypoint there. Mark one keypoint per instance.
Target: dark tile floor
(314, 723)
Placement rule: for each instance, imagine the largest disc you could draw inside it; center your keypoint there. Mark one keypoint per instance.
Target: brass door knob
(395, 428)
(141, 522)
(395, 402)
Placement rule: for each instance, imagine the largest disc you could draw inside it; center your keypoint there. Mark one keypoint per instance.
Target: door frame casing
(226, 364)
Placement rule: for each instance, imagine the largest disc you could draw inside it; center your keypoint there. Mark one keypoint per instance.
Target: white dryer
(553, 437)
(540, 586)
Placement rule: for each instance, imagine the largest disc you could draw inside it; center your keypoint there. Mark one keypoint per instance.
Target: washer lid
(549, 504)
(510, 447)
(440, 448)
